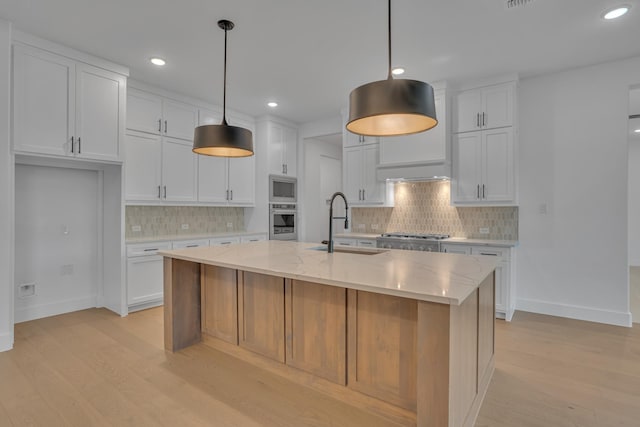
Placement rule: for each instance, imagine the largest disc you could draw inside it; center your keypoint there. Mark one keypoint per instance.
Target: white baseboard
(25, 314)
(6, 341)
(589, 314)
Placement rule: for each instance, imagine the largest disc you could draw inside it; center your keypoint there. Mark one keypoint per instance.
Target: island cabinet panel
(220, 303)
(382, 343)
(486, 331)
(182, 304)
(261, 314)
(464, 357)
(316, 329)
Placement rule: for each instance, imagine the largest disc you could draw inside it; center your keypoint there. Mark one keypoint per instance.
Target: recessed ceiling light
(616, 13)
(397, 71)
(637, 131)
(272, 104)
(158, 61)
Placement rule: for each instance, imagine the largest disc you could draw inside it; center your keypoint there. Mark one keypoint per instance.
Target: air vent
(510, 4)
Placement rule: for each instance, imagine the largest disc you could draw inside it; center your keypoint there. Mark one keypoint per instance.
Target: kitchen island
(414, 330)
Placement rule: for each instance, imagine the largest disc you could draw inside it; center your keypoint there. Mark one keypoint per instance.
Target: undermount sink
(359, 251)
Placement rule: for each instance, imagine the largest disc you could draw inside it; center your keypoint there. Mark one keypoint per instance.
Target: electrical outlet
(229, 225)
(185, 226)
(66, 270)
(136, 228)
(543, 209)
(374, 226)
(26, 290)
(484, 230)
(361, 227)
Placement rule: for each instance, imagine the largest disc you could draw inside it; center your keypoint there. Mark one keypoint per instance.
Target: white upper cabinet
(63, 107)
(487, 107)
(225, 181)
(431, 146)
(282, 149)
(143, 173)
(150, 113)
(483, 167)
(359, 171)
(179, 171)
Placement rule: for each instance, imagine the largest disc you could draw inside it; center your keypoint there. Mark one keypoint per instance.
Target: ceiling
(308, 55)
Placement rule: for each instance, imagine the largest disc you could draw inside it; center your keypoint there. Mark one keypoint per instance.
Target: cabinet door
(372, 189)
(276, 149)
(99, 108)
(212, 179)
(242, 180)
(467, 158)
(179, 120)
(290, 141)
(142, 167)
(497, 106)
(468, 111)
(144, 112)
(43, 101)
(178, 171)
(497, 165)
(207, 117)
(352, 173)
(419, 148)
(144, 279)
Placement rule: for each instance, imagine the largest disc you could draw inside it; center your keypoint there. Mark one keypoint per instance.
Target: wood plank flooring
(93, 368)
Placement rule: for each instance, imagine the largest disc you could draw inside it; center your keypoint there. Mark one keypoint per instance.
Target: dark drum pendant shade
(393, 106)
(223, 140)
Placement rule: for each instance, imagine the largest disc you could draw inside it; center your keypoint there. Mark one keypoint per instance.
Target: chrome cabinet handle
(79, 145)
(483, 117)
(151, 249)
(227, 198)
(231, 194)
(159, 125)
(71, 144)
(363, 196)
(192, 246)
(165, 191)
(165, 126)
(283, 168)
(483, 196)
(478, 191)
(477, 120)
(159, 195)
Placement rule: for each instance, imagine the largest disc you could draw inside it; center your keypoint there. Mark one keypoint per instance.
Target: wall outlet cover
(185, 226)
(374, 226)
(229, 225)
(26, 290)
(484, 230)
(136, 228)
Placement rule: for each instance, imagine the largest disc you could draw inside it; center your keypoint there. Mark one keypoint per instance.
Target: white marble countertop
(427, 276)
(454, 240)
(179, 237)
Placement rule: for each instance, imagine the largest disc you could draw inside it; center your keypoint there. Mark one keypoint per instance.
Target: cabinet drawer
(366, 243)
(147, 249)
(345, 242)
(253, 238)
(190, 244)
(218, 241)
(456, 249)
(500, 253)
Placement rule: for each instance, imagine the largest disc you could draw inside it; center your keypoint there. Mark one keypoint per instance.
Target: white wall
(572, 261)
(6, 193)
(57, 234)
(316, 214)
(634, 202)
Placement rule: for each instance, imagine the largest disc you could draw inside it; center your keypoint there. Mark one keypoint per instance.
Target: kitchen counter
(413, 330)
(425, 276)
(178, 237)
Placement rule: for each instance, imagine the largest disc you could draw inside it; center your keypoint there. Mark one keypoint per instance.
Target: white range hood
(416, 172)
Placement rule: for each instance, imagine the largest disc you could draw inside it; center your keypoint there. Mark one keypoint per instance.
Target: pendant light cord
(390, 76)
(224, 91)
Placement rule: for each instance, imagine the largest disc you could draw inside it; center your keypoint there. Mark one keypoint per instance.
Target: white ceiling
(308, 55)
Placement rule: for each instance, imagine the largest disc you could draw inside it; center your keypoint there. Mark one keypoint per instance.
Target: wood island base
(412, 361)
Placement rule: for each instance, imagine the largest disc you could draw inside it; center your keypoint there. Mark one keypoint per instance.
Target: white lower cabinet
(145, 275)
(505, 296)
(354, 242)
(145, 268)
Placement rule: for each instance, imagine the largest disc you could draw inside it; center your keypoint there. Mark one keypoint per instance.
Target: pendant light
(393, 106)
(223, 140)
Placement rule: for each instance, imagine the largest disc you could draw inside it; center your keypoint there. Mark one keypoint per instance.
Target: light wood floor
(94, 368)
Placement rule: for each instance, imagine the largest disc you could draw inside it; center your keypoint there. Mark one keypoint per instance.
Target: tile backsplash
(423, 207)
(168, 220)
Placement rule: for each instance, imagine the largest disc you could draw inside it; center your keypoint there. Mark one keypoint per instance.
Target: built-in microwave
(282, 189)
